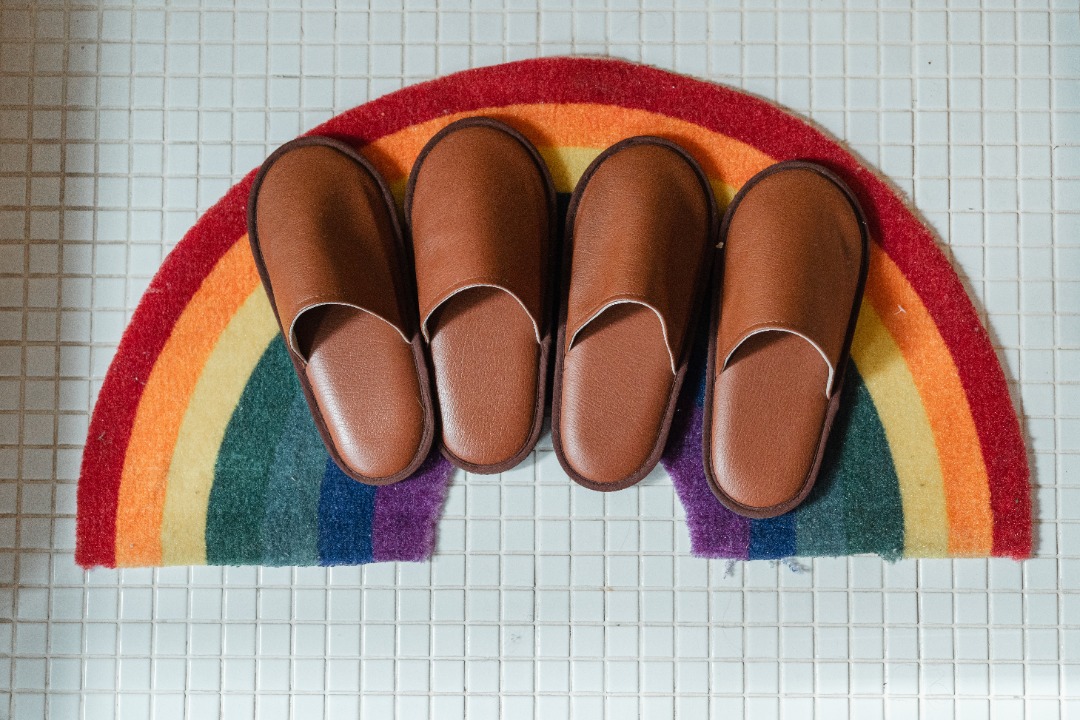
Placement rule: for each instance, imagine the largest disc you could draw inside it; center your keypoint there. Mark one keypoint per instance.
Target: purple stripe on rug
(406, 513)
(715, 531)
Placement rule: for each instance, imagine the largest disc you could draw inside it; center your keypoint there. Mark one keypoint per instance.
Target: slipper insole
(363, 376)
(616, 385)
(769, 407)
(486, 360)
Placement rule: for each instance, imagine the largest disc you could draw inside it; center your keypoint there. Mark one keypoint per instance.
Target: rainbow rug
(201, 451)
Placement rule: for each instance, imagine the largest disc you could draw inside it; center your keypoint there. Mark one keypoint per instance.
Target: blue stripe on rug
(346, 511)
(773, 538)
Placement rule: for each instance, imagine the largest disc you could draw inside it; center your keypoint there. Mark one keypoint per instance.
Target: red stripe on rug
(180, 276)
(782, 136)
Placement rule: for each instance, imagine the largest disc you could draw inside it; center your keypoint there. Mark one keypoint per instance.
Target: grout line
(21, 424)
(57, 368)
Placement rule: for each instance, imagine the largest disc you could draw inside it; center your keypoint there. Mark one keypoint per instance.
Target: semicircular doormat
(201, 450)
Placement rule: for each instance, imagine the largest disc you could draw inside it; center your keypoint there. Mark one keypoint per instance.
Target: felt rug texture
(201, 449)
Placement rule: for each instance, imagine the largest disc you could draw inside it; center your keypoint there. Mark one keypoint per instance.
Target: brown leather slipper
(793, 266)
(328, 247)
(640, 231)
(480, 206)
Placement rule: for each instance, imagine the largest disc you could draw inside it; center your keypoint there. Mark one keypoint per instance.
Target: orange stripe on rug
(581, 125)
(963, 468)
(164, 402)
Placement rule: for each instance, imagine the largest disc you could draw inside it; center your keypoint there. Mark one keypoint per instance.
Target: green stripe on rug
(818, 531)
(871, 487)
(290, 528)
(857, 481)
(237, 498)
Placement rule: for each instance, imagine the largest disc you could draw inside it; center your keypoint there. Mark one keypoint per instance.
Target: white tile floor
(120, 123)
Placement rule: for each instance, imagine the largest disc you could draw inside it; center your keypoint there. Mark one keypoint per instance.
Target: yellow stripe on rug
(915, 457)
(191, 472)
